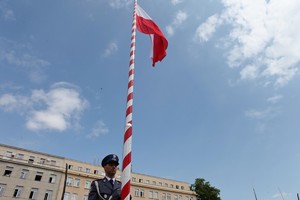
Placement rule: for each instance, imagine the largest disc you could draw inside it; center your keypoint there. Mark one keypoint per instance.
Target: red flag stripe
(159, 42)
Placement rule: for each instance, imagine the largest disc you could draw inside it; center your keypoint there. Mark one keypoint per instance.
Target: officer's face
(110, 169)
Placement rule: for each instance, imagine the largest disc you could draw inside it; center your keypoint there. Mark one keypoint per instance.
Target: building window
(136, 192)
(33, 193)
(66, 196)
(87, 170)
(85, 197)
(20, 156)
(69, 181)
(53, 162)
(74, 196)
(160, 183)
(52, 178)
(87, 184)
(48, 195)
(31, 159)
(18, 191)
(96, 171)
(175, 197)
(177, 186)
(147, 182)
(8, 171)
(77, 182)
(155, 195)
(180, 197)
(168, 196)
(142, 193)
(187, 198)
(140, 180)
(166, 185)
(2, 188)
(70, 166)
(38, 176)
(133, 179)
(8, 154)
(171, 186)
(80, 169)
(42, 160)
(150, 194)
(163, 196)
(154, 182)
(24, 173)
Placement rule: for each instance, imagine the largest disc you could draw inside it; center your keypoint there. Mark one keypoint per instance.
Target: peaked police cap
(110, 158)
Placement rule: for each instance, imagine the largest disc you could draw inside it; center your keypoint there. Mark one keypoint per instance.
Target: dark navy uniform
(107, 191)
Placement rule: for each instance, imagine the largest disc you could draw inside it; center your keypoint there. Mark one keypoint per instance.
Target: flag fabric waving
(159, 43)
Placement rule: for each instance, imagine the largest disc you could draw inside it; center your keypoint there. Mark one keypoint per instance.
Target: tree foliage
(204, 190)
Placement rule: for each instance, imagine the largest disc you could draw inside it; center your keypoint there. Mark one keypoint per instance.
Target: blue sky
(223, 105)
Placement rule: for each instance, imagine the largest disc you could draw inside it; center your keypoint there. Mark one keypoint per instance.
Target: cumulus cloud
(10, 102)
(264, 39)
(111, 49)
(99, 129)
(180, 17)
(207, 29)
(58, 109)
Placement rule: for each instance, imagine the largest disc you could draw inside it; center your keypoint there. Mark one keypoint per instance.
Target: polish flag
(159, 43)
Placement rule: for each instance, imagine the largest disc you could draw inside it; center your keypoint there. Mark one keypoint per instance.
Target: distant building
(27, 174)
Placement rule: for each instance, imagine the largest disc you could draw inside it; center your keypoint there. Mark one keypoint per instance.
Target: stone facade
(27, 174)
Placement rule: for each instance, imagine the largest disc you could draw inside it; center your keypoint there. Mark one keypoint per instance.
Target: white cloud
(249, 72)
(281, 195)
(207, 29)
(119, 3)
(175, 2)
(265, 114)
(264, 39)
(111, 48)
(257, 114)
(10, 102)
(99, 129)
(180, 17)
(5, 12)
(58, 109)
(18, 55)
(275, 99)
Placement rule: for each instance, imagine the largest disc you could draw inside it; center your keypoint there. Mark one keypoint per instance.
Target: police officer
(107, 188)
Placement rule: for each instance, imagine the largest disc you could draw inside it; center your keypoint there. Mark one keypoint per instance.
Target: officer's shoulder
(98, 180)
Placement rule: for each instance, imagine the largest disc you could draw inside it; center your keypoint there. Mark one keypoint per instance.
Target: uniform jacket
(107, 192)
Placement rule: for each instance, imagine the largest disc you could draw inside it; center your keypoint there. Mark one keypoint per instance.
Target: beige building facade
(26, 174)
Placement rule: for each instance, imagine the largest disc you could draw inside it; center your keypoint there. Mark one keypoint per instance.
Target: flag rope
(126, 166)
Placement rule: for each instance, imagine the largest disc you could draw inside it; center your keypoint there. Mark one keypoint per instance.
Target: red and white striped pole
(126, 166)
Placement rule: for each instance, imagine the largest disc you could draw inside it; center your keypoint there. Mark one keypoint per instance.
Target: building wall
(79, 177)
(28, 174)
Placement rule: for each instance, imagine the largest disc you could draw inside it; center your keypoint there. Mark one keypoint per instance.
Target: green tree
(204, 190)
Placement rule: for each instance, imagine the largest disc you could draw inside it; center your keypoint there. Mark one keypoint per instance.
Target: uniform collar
(114, 179)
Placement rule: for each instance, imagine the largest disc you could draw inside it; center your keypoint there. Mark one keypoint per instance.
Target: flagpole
(126, 166)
